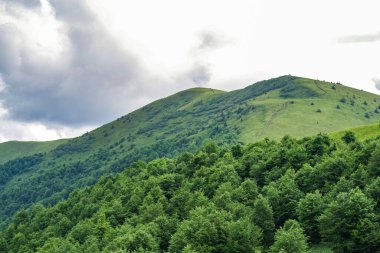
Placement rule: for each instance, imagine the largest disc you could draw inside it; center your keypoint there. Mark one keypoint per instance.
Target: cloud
(25, 131)
(376, 82)
(76, 74)
(360, 38)
(27, 3)
(211, 40)
(200, 74)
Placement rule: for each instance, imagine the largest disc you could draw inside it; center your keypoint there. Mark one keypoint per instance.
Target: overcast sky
(68, 66)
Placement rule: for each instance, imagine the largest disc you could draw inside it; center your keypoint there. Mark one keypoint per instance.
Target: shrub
(349, 137)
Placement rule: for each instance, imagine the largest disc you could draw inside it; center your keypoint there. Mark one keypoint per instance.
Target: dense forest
(268, 196)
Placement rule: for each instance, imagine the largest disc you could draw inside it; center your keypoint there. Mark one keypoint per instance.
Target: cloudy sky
(68, 66)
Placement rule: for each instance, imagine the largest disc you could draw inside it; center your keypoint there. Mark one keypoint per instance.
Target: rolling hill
(15, 149)
(185, 121)
(361, 133)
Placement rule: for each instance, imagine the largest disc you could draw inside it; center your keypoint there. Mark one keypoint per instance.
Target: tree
(317, 147)
(374, 162)
(263, 217)
(167, 227)
(82, 231)
(209, 179)
(102, 228)
(308, 211)
(373, 190)
(289, 239)
(153, 205)
(59, 245)
(237, 151)
(205, 231)
(246, 193)
(283, 196)
(306, 178)
(223, 197)
(349, 222)
(189, 249)
(330, 170)
(184, 200)
(242, 236)
(91, 245)
(142, 238)
(3, 244)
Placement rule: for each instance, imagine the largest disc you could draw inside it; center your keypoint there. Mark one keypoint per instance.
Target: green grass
(15, 149)
(298, 117)
(361, 133)
(183, 122)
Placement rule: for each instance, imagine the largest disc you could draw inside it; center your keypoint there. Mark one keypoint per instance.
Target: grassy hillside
(268, 196)
(15, 149)
(183, 122)
(361, 133)
(307, 107)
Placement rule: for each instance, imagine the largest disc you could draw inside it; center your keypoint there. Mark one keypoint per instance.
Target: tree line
(266, 196)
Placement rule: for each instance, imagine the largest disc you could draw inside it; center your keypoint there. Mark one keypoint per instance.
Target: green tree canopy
(349, 222)
(289, 239)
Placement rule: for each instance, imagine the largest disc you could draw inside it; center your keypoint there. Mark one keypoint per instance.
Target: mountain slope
(361, 133)
(15, 149)
(306, 107)
(266, 196)
(183, 122)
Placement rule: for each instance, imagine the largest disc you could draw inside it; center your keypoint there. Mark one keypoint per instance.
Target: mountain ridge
(182, 122)
(14, 149)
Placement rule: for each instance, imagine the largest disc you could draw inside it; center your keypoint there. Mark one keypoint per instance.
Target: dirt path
(319, 87)
(270, 121)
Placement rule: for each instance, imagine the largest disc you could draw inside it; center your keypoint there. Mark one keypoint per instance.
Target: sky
(69, 66)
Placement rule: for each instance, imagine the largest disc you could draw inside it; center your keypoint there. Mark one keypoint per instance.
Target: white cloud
(86, 62)
(13, 130)
(362, 38)
(376, 81)
(272, 37)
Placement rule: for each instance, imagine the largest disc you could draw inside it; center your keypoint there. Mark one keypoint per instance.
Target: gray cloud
(93, 82)
(211, 40)
(360, 38)
(27, 3)
(200, 74)
(376, 81)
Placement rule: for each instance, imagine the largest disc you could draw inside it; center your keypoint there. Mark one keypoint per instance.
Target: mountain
(15, 149)
(185, 121)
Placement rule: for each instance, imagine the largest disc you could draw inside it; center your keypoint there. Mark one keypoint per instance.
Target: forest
(314, 194)
(48, 172)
